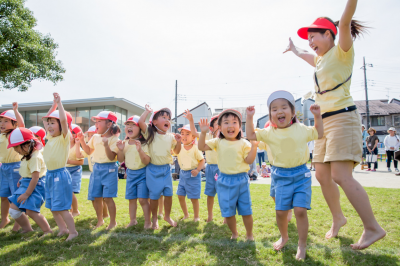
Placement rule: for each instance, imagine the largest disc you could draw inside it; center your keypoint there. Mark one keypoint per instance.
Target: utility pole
(176, 106)
(366, 90)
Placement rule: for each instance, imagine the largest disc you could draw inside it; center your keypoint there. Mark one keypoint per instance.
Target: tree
(25, 54)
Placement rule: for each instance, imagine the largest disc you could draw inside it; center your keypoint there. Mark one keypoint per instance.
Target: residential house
(198, 112)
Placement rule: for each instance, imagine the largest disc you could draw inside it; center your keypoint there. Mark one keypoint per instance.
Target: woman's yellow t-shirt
(211, 156)
(161, 147)
(99, 154)
(132, 157)
(7, 155)
(231, 155)
(288, 145)
(35, 164)
(72, 155)
(56, 151)
(333, 68)
(189, 159)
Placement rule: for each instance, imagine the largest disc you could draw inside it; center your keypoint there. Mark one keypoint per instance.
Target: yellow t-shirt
(189, 159)
(35, 164)
(90, 161)
(160, 148)
(211, 156)
(288, 145)
(333, 68)
(264, 146)
(56, 151)
(99, 154)
(231, 155)
(7, 155)
(132, 157)
(72, 155)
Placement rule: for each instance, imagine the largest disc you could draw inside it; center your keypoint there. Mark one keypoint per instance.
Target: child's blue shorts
(211, 183)
(90, 188)
(159, 181)
(234, 194)
(58, 190)
(34, 202)
(136, 186)
(272, 189)
(76, 176)
(9, 176)
(188, 185)
(292, 187)
(105, 180)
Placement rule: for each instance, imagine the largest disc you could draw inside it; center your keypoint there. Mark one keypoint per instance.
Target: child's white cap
(264, 163)
(185, 127)
(9, 114)
(92, 129)
(280, 95)
(134, 119)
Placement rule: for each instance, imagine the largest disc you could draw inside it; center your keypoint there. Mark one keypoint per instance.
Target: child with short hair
(292, 179)
(264, 170)
(234, 156)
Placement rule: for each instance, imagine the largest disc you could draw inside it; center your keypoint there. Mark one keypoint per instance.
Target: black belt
(344, 110)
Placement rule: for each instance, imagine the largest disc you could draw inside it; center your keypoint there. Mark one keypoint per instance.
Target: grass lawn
(208, 243)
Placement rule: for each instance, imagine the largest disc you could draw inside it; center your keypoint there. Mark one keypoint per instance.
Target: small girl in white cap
(292, 179)
(234, 156)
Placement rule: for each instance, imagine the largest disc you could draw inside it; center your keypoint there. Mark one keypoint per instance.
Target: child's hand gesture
(121, 145)
(105, 141)
(250, 111)
(77, 142)
(290, 47)
(80, 136)
(194, 172)
(148, 108)
(22, 198)
(188, 115)
(15, 106)
(254, 143)
(204, 126)
(178, 137)
(138, 145)
(57, 98)
(315, 109)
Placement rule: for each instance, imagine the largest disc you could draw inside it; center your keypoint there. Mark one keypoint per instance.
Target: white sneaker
(389, 170)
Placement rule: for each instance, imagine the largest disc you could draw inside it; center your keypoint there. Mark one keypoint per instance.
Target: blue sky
(221, 52)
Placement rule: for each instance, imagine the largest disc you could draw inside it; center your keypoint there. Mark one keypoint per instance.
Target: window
(244, 127)
(377, 121)
(31, 119)
(40, 115)
(311, 122)
(83, 118)
(95, 110)
(73, 114)
(396, 120)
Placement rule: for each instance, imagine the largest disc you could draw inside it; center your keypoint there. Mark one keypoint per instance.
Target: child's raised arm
(52, 109)
(345, 38)
(62, 114)
(316, 111)
(253, 152)
(250, 133)
(178, 145)
(85, 147)
(142, 120)
(204, 127)
(303, 54)
(20, 119)
(188, 115)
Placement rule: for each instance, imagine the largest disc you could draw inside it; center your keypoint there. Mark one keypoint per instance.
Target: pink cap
(75, 129)
(185, 127)
(9, 114)
(134, 119)
(21, 135)
(165, 109)
(106, 115)
(56, 114)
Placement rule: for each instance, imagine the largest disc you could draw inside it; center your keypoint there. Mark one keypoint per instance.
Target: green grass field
(204, 243)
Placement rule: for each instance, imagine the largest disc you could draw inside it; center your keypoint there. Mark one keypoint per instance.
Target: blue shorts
(9, 176)
(58, 190)
(105, 180)
(76, 176)
(272, 189)
(136, 184)
(211, 183)
(34, 202)
(292, 187)
(90, 197)
(234, 194)
(188, 185)
(159, 180)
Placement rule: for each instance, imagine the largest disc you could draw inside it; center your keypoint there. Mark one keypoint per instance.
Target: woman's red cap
(320, 23)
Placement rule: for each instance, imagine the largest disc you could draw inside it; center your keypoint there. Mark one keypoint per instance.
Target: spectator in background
(311, 149)
(261, 156)
(253, 171)
(372, 143)
(392, 144)
(364, 135)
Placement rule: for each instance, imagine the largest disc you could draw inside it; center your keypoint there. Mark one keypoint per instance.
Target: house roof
(193, 109)
(378, 107)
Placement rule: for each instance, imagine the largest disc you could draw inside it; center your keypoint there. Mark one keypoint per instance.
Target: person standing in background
(311, 149)
(364, 135)
(392, 143)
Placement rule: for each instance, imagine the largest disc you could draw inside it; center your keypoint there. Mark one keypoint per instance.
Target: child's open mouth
(231, 131)
(130, 131)
(281, 119)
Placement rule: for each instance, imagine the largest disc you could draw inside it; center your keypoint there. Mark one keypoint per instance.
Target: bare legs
(99, 208)
(196, 208)
(5, 206)
(248, 224)
(168, 207)
(146, 212)
(65, 223)
(74, 208)
(154, 209)
(161, 207)
(210, 206)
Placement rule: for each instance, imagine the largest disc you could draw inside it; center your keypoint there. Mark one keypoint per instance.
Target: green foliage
(25, 54)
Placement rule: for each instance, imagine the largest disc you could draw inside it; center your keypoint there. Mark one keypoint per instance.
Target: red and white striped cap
(185, 127)
(21, 135)
(103, 115)
(39, 131)
(165, 109)
(56, 115)
(9, 114)
(134, 119)
(75, 129)
(91, 129)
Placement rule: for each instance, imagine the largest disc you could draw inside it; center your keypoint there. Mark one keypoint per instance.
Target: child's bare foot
(160, 216)
(155, 224)
(209, 219)
(132, 223)
(250, 238)
(333, 232)
(72, 236)
(46, 233)
(278, 245)
(16, 227)
(106, 216)
(4, 223)
(111, 225)
(63, 232)
(301, 253)
(170, 221)
(185, 217)
(368, 238)
(196, 219)
(148, 225)
(74, 214)
(289, 215)
(99, 224)
(26, 231)
(224, 220)
(235, 235)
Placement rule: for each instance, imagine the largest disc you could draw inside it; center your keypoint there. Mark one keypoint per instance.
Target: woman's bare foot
(155, 223)
(250, 238)
(132, 223)
(4, 223)
(333, 232)
(63, 232)
(170, 221)
(289, 215)
(99, 224)
(301, 253)
(147, 225)
(196, 219)
(278, 245)
(368, 238)
(72, 236)
(74, 214)
(235, 235)
(111, 225)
